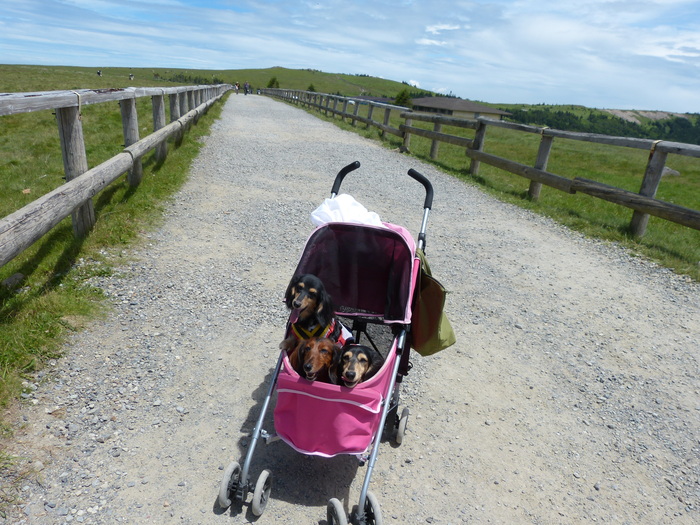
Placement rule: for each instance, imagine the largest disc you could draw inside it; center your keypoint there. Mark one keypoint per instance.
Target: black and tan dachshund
(354, 364)
(312, 313)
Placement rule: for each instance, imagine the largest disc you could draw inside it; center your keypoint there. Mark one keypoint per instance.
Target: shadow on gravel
(299, 479)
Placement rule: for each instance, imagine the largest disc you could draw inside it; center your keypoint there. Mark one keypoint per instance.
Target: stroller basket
(337, 420)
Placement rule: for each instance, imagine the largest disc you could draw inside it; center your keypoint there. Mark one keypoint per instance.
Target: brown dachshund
(313, 357)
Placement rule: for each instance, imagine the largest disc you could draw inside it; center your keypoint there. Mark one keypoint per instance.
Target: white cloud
(430, 42)
(439, 28)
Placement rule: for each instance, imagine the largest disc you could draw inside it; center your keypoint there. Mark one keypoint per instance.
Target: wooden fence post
(478, 145)
(158, 123)
(182, 95)
(354, 113)
(174, 107)
(175, 115)
(436, 143)
(541, 164)
(387, 114)
(650, 184)
(190, 100)
(407, 137)
(70, 130)
(130, 124)
(369, 115)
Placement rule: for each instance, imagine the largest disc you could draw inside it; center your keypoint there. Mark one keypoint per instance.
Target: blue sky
(616, 54)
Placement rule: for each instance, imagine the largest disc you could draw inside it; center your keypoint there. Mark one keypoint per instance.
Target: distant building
(381, 100)
(456, 107)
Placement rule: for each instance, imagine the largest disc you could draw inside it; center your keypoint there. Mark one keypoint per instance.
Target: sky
(606, 54)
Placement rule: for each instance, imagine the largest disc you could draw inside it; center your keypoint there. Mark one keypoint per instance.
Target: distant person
(237, 87)
(246, 87)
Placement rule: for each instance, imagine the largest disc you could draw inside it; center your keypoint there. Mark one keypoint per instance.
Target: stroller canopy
(367, 270)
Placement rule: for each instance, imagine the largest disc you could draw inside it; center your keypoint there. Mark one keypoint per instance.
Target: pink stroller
(370, 271)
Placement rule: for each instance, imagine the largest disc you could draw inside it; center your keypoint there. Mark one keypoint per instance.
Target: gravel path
(571, 396)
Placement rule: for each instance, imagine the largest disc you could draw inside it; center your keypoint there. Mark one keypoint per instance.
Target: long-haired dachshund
(354, 364)
(312, 313)
(313, 357)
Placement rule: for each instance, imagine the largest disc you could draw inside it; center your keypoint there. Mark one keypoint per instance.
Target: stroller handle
(341, 175)
(411, 173)
(426, 184)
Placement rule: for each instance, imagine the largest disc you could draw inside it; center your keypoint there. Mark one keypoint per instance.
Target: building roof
(455, 104)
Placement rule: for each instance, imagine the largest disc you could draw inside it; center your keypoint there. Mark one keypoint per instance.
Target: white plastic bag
(344, 208)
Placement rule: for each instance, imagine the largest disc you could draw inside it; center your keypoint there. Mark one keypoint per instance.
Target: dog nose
(350, 375)
(296, 304)
(308, 367)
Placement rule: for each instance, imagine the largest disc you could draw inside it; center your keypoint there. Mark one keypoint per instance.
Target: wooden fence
(24, 227)
(643, 203)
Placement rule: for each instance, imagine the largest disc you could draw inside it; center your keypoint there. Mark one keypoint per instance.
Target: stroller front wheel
(335, 514)
(261, 494)
(229, 484)
(372, 514)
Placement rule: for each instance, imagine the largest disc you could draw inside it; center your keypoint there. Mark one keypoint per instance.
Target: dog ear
(325, 309)
(289, 294)
(335, 364)
(376, 362)
(298, 356)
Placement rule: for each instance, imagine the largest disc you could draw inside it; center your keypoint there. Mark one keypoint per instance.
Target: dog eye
(362, 359)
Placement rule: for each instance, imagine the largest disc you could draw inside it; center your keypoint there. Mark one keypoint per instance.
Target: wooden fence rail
(643, 203)
(24, 227)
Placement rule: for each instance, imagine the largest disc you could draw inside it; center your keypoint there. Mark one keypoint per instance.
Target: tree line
(189, 79)
(676, 129)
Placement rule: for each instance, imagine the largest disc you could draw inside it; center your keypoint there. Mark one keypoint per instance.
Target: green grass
(668, 244)
(55, 297)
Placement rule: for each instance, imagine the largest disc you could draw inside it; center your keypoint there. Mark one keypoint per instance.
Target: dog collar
(317, 331)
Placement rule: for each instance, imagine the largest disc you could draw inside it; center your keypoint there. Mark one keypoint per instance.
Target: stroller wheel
(403, 421)
(229, 484)
(335, 514)
(262, 492)
(372, 514)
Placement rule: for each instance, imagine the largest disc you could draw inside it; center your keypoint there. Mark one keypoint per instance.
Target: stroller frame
(236, 483)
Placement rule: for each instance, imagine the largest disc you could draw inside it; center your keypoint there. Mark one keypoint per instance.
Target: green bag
(431, 331)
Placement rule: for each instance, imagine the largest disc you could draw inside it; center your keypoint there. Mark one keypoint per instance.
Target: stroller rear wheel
(261, 494)
(229, 484)
(335, 514)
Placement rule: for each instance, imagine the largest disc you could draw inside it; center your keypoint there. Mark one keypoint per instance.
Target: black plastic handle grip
(426, 184)
(341, 175)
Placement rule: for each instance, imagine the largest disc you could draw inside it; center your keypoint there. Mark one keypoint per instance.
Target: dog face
(354, 364)
(307, 298)
(313, 357)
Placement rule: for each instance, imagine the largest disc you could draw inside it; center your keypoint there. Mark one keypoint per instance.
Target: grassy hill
(20, 78)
